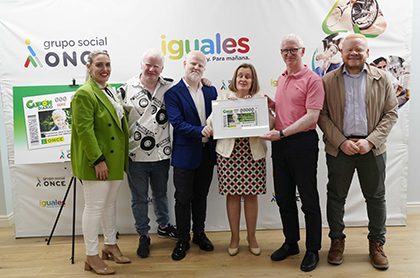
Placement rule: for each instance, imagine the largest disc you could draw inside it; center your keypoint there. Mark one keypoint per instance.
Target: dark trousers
(191, 190)
(371, 174)
(295, 162)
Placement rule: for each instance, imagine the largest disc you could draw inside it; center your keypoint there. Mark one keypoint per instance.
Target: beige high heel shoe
(107, 254)
(104, 271)
(233, 251)
(256, 251)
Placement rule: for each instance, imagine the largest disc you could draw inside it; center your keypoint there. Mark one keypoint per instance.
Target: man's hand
(207, 131)
(350, 147)
(364, 146)
(273, 135)
(206, 82)
(101, 171)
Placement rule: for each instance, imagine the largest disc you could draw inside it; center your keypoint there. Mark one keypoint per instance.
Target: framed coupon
(48, 120)
(240, 118)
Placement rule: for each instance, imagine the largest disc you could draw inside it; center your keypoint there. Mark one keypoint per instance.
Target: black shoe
(284, 251)
(143, 249)
(179, 251)
(168, 232)
(309, 261)
(202, 241)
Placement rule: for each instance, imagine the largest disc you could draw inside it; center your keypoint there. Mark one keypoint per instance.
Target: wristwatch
(282, 135)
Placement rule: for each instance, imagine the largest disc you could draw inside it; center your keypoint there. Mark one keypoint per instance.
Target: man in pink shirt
(299, 100)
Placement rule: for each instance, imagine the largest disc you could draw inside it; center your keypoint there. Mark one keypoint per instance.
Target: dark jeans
(371, 173)
(191, 190)
(140, 174)
(295, 162)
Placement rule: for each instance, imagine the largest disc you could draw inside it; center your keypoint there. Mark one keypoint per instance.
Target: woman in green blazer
(99, 157)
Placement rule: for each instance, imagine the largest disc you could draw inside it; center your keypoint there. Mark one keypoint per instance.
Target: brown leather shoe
(377, 254)
(335, 255)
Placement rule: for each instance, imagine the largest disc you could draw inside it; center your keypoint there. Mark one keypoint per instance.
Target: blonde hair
(356, 36)
(153, 53)
(58, 113)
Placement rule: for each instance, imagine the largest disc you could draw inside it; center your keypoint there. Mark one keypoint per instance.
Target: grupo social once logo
(66, 52)
(51, 182)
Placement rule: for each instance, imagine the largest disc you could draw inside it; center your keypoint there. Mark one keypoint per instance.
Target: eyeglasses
(292, 51)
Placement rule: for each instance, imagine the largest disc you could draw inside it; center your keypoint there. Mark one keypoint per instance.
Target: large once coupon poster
(48, 120)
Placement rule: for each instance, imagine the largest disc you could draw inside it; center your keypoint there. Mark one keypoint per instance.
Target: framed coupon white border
(254, 131)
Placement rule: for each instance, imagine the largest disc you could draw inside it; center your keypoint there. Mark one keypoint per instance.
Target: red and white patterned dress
(240, 174)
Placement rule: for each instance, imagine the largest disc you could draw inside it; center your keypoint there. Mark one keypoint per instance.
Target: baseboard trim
(7, 220)
(413, 208)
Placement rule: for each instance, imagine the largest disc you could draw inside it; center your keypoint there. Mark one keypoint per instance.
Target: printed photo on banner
(399, 72)
(364, 15)
(48, 120)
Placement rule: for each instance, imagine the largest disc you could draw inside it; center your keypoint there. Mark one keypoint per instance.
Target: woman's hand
(271, 103)
(101, 171)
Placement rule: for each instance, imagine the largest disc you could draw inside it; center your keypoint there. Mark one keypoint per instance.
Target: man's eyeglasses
(292, 51)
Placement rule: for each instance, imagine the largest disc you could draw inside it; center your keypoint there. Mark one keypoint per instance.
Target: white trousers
(100, 209)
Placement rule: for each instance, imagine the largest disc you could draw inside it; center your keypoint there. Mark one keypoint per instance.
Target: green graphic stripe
(32, 61)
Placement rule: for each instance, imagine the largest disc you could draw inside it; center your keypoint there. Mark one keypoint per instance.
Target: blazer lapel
(341, 91)
(207, 102)
(106, 102)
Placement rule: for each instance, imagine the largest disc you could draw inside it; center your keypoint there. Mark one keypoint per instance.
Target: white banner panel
(46, 43)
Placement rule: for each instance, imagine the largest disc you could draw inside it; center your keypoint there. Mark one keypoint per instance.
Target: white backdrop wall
(126, 29)
(414, 148)
(6, 205)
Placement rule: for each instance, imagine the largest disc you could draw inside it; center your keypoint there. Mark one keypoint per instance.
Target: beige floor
(33, 258)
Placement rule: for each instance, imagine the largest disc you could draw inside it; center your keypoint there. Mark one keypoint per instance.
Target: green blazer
(96, 131)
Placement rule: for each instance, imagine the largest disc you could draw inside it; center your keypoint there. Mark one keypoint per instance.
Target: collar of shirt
(106, 84)
(161, 82)
(200, 86)
(298, 74)
(362, 72)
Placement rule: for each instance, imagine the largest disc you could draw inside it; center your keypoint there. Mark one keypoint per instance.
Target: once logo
(32, 58)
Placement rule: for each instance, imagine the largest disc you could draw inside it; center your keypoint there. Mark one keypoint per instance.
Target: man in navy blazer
(188, 105)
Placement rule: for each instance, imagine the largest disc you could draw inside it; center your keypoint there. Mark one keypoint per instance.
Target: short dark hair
(378, 60)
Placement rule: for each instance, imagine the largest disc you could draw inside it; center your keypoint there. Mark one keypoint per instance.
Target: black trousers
(191, 190)
(295, 162)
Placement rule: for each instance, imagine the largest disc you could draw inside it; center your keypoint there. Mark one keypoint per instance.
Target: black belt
(299, 134)
(356, 137)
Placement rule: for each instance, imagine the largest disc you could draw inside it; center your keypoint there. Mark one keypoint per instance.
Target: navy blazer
(183, 115)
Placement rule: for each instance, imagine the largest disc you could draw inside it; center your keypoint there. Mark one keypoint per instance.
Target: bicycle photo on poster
(365, 14)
